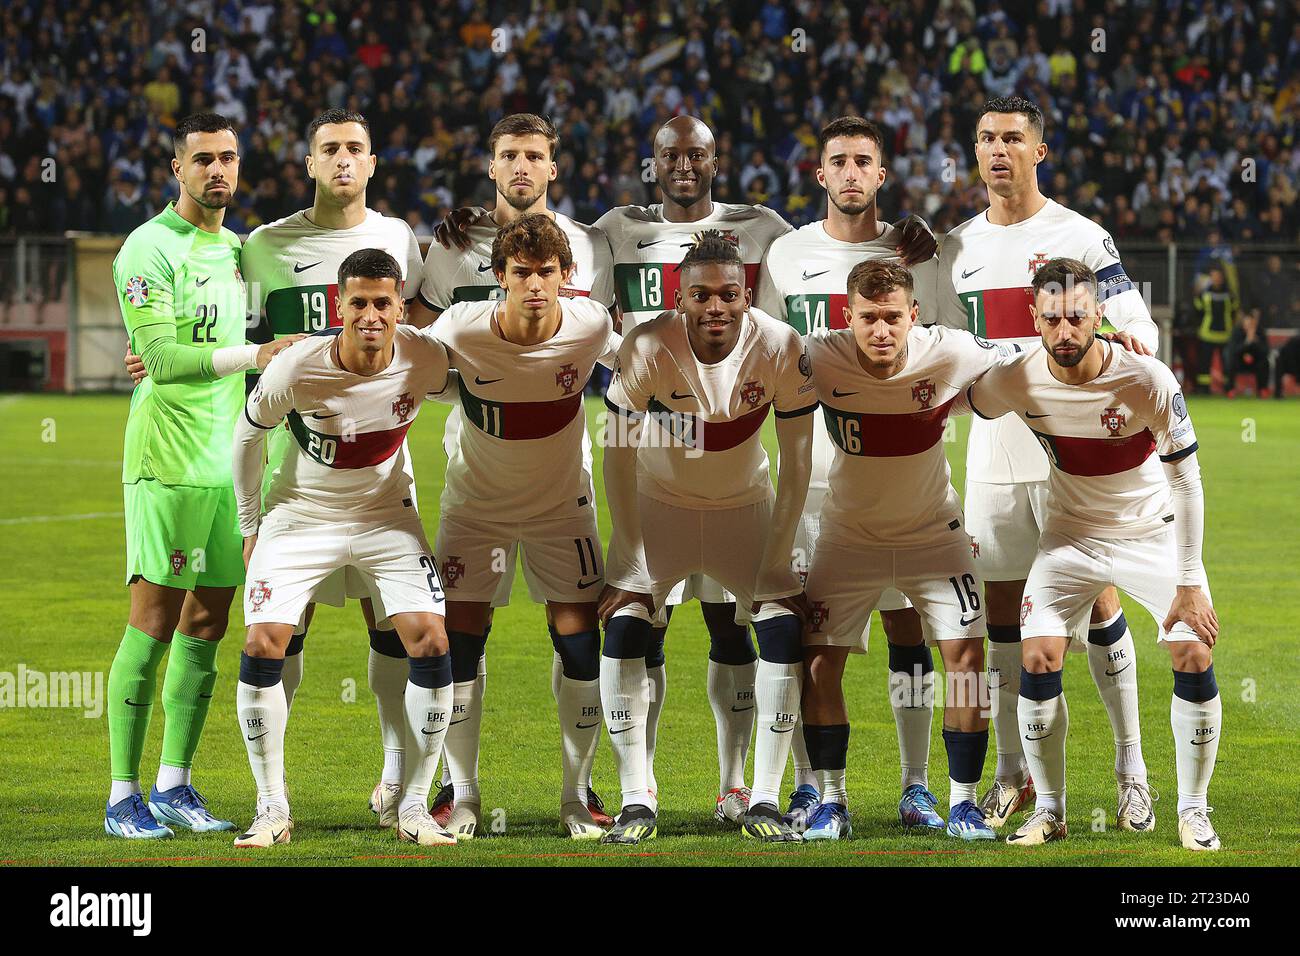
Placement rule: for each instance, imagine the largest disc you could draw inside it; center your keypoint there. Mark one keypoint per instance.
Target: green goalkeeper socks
(186, 695)
(131, 683)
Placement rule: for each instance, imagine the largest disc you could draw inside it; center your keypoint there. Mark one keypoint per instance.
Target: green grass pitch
(63, 608)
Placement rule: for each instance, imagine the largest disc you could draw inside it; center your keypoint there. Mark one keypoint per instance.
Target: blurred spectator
(1247, 353)
(1216, 307)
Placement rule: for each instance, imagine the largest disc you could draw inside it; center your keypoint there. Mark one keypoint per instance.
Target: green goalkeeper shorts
(179, 536)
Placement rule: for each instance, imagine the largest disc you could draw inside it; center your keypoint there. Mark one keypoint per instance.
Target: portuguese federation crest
(452, 571)
(402, 406)
(924, 392)
(258, 594)
(178, 560)
(1113, 419)
(567, 378)
(751, 393)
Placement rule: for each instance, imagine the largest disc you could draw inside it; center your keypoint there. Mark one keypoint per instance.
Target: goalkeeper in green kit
(184, 305)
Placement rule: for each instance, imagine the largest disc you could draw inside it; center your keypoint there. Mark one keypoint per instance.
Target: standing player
(892, 519)
(802, 280)
(518, 478)
(182, 300)
(343, 497)
(697, 498)
(1100, 413)
(985, 268)
(524, 149)
(292, 266)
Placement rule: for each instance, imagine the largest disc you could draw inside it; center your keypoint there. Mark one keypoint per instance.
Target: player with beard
(985, 268)
(291, 267)
(803, 281)
(523, 149)
(1125, 508)
(182, 299)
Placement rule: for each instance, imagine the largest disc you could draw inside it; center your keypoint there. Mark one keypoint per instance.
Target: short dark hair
(1014, 104)
(335, 116)
(1063, 274)
(713, 247)
(199, 123)
(873, 278)
(851, 126)
(533, 238)
(525, 124)
(369, 264)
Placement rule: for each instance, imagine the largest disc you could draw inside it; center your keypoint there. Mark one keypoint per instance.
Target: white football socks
(658, 678)
(427, 710)
(1114, 670)
(804, 775)
(911, 695)
(731, 696)
(263, 713)
(578, 705)
(291, 677)
(387, 678)
(1003, 668)
(1044, 725)
(1197, 727)
(625, 697)
(776, 696)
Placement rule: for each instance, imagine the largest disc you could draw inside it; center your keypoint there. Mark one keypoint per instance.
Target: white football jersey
(465, 275)
(291, 267)
(983, 286)
(804, 281)
(349, 459)
(1105, 439)
(648, 249)
(520, 450)
(701, 443)
(890, 485)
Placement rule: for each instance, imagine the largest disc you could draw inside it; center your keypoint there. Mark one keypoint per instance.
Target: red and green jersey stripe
(514, 421)
(653, 286)
(1094, 457)
(360, 450)
(694, 432)
(303, 308)
(816, 311)
(886, 435)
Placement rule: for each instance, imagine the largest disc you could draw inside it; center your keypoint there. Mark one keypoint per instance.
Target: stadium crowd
(1167, 121)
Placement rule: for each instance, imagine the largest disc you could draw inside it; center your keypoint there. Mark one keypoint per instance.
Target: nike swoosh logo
(487, 381)
(587, 726)
(1120, 671)
(642, 244)
(775, 731)
(134, 704)
(967, 275)
(623, 731)
(583, 585)
(410, 835)
(318, 415)
(485, 268)
(203, 281)
(259, 736)
(999, 687)
(432, 733)
(965, 622)
(681, 397)
(1205, 843)
(1044, 737)
(205, 696)
(1032, 415)
(298, 268)
(1201, 743)
(807, 276)
(838, 394)
(740, 710)
(455, 722)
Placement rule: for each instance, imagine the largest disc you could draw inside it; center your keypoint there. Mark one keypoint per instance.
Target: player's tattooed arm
(917, 243)
(454, 230)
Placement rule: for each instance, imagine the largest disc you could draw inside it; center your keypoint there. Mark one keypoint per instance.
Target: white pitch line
(38, 519)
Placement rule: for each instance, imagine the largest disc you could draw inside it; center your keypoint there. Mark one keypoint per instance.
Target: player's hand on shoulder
(454, 230)
(1192, 607)
(917, 244)
(270, 350)
(1129, 342)
(613, 599)
(249, 544)
(134, 366)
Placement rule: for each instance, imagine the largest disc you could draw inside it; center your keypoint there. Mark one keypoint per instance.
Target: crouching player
(891, 519)
(342, 498)
(1104, 416)
(698, 499)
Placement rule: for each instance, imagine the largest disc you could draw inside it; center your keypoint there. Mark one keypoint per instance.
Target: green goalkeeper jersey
(182, 297)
